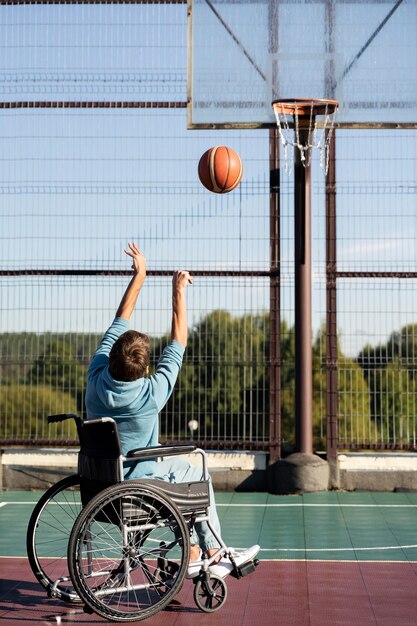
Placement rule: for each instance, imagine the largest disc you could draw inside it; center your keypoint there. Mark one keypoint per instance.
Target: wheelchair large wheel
(128, 552)
(48, 535)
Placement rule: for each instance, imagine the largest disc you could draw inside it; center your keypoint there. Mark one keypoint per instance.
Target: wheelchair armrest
(146, 453)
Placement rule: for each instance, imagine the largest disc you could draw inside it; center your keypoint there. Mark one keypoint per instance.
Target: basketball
(220, 169)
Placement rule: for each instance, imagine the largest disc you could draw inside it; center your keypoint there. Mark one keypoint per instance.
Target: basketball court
(326, 558)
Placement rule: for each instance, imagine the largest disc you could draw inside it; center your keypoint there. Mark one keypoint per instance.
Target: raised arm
(130, 296)
(179, 330)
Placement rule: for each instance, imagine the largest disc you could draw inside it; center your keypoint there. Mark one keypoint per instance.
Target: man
(118, 386)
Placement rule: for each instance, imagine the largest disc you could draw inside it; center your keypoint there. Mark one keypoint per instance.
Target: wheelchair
(121, 548)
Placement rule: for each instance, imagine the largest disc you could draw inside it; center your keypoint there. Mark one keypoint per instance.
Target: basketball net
(316, 138)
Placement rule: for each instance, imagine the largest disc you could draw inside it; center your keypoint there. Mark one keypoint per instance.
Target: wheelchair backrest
(100, 458)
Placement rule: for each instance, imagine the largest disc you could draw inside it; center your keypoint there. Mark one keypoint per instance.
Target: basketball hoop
(304, 133)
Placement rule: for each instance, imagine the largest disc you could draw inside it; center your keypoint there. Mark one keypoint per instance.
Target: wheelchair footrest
(240, 571)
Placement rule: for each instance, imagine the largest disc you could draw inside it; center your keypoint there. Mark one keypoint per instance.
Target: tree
(24, 410)
(222, 381)
(287, 384)
(58, 367)
(210, 383)
(16, 350)
(224, 384)
(390, 370)
(394, 403)
(352, 397)
(402, 346)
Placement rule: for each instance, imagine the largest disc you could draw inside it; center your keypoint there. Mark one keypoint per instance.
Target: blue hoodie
(134, 405)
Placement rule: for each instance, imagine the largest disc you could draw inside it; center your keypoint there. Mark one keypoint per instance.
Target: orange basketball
(220, 169)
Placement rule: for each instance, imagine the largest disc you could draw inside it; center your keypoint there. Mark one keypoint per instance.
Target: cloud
(364, 247)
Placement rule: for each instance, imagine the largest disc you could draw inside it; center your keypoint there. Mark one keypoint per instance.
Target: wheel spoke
(48, 534)
(150, 539)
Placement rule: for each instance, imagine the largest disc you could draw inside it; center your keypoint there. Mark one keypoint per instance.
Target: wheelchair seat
(191, 498)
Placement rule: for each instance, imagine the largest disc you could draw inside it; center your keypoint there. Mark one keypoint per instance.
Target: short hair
(129, 356)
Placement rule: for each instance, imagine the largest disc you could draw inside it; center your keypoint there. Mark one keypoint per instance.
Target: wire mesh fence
(95, 153)
(223, 386)
(378, 405)
(376, 288)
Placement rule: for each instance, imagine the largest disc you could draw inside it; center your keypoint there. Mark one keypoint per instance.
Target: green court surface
(321, 526)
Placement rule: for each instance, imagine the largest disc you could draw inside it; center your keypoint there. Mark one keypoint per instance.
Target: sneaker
(240, 556)
(194, 567)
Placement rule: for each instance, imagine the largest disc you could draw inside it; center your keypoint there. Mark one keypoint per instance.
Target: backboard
(245, 53)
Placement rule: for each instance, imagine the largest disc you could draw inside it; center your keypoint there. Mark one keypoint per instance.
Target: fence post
(274, 296)
(331, 313)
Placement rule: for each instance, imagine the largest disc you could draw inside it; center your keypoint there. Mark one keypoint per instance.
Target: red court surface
(296, 593)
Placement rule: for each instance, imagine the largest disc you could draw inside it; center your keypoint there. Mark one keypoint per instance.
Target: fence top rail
(109, 272)
(208, 445)
(29, 2)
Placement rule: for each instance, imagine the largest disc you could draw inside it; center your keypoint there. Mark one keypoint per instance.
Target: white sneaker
(240, 556)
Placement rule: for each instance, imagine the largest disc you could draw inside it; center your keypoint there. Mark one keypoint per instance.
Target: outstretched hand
(180, 280)
(139, 259)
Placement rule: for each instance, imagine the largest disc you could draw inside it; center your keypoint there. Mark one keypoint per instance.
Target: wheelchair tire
(128, 552)
(48, 534)
(210, 595)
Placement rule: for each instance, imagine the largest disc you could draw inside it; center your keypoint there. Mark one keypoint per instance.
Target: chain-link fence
(95, 153)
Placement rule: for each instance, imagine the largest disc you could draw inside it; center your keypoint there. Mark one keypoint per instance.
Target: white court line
(283, 505)
(3, 504)
(285, 560)
(376, 548)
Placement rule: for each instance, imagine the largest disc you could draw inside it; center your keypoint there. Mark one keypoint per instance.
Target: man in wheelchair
(119, 387)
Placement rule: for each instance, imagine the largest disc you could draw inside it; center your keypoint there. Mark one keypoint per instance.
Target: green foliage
(352, 397)
(224, 383)
(287, 384)
(24, 410)
(58, 366)
(220, 380)
(390, 370)
(393, 400)
(58, 361)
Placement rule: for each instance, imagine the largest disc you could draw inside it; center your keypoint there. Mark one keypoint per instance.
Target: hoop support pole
(303, 303)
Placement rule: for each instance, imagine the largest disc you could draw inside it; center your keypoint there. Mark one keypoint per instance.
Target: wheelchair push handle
(52, 419)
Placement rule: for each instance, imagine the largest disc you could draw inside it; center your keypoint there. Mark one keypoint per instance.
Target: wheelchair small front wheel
(211, 594)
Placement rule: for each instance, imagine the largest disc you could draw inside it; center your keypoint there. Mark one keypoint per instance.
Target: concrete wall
(241, 471)
(40, 468)
(383, 471)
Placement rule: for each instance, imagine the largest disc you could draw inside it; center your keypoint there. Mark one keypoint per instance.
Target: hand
(139, 259)
(180, 280)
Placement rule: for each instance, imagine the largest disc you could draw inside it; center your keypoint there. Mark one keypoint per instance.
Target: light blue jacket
(134, 405)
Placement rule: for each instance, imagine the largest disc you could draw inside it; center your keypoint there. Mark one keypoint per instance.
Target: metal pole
(274, 299)
(274, 258)
(303, 315)
(331, 308)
